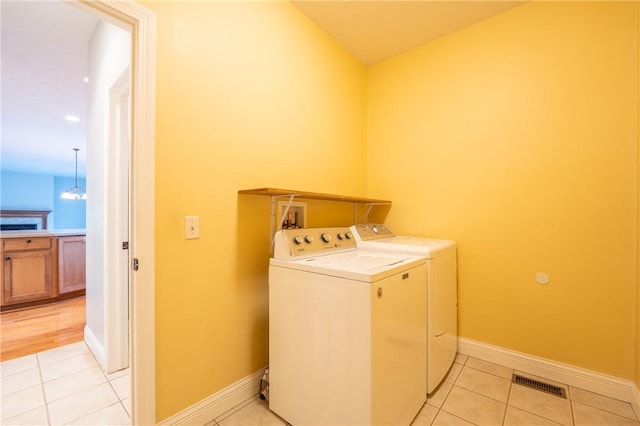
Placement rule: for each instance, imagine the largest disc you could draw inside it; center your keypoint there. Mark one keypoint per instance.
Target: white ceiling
(44, 62)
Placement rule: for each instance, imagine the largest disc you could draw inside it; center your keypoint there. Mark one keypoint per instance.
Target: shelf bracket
(366, 214)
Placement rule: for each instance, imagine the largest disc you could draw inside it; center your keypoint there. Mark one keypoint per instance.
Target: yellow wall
(249, 94)
(637, 353)
(517, 137)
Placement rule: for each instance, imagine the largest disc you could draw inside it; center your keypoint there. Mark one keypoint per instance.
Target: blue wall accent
(26, 191)
(29, 191)
(70, 214)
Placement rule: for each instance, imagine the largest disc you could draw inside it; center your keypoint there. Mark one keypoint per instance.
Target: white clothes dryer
(347, 332)
(442, 293)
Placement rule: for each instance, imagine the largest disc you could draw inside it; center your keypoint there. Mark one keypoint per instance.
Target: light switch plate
(191, 227)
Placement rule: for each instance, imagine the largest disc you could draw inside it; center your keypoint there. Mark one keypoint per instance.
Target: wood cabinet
(72, 270)
(28, 269)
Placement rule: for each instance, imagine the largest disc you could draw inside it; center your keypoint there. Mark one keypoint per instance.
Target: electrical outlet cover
(191, 227)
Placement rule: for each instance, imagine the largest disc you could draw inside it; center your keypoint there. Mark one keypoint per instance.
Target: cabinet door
(27, 276)
(72, 270)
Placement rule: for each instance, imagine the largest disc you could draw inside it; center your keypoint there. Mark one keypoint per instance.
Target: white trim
(603, 384)
(116, 293)
(217, 404)
(142, 243)
(96, 348)
(636, 399)
(141, 21)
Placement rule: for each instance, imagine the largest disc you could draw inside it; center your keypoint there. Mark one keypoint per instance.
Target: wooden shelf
(273, 192)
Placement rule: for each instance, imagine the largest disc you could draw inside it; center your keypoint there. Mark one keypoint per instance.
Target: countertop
(42, 233)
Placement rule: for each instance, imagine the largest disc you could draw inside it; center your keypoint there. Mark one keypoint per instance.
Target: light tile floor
(476, 392)
(66, 386)
(63, 386)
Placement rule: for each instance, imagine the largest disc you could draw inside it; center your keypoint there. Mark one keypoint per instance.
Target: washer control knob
(297, 239)
(340, 236)
(347, 235)
(308, 239)
(374, 229)
(325, 237)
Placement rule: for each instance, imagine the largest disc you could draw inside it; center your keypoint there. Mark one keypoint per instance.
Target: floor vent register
(538, 385)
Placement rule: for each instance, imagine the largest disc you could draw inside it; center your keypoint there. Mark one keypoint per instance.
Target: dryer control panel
(307, 242)
(372, 231)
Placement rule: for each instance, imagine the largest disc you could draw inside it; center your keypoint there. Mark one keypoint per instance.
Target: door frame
(141, 22)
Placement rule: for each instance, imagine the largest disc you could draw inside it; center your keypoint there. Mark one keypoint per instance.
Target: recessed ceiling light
(72, 118)
(86, 79)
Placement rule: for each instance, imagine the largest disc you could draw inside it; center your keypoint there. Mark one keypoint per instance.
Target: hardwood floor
(27, 331)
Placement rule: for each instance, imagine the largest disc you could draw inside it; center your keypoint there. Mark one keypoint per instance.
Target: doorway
(48, 44)
(140, 21)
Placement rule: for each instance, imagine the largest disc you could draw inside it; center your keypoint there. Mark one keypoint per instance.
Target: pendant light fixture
(75, 193)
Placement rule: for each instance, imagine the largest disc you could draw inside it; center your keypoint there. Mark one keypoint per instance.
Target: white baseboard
(603, 384)
(217, 404)
(636, 400)
(96, 348)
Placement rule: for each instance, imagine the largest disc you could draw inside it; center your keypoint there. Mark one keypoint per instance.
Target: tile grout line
(506, 404)
(44, 395)
(605, 409)
(611, 413)
(453, 385)
(573, 414)
(511, 384)
(480, 394)
(437, 413)
(490, 373)
(104, 375)
(120, 400)
(542, 416)
(235, 409)
(506, 408)
(108, 380)
(426, 403)
(462, 365)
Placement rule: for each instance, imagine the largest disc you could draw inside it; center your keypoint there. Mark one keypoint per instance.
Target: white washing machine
(347, 331)
(442, 293)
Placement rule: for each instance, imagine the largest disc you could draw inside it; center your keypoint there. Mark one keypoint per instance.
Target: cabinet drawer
(15, 244)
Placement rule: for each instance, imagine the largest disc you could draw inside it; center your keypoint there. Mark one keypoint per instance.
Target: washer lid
(359, 261)
(361, 265)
